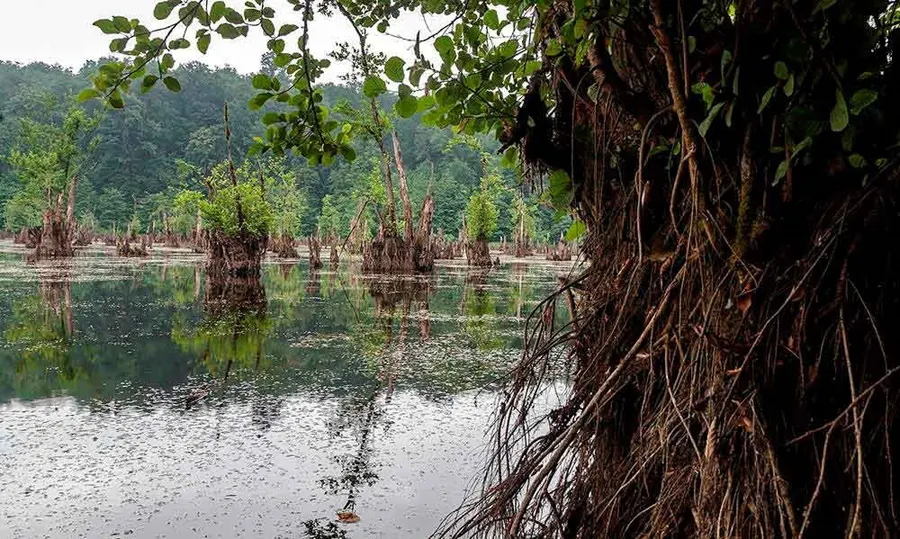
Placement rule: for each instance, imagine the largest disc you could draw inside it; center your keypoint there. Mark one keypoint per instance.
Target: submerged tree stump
(127, 248)
(315, 253)
(478, 253)
(335, 258)
(234, 256)
(283, 246)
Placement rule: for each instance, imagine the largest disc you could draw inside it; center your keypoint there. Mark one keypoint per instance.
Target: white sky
(62, 32)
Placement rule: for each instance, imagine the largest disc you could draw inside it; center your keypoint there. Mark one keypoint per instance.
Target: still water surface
(132, 406)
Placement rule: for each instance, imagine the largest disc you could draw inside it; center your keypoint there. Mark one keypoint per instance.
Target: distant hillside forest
(140, 158)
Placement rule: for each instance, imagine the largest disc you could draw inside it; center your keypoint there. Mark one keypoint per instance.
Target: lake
(133, 405)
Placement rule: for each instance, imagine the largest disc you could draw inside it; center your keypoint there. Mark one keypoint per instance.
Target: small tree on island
(481, 222)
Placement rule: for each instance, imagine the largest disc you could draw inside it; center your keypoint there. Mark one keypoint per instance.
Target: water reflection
(270, 404)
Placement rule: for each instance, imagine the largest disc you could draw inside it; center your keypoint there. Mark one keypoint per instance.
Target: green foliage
(165, 143)
(330, 223)
(44, 157)
(481, 212)
(220, 210)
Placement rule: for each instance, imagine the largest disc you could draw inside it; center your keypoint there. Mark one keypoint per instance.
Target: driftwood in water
(315, 252)
(283, 246)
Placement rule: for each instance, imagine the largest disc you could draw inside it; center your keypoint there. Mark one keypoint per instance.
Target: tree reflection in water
(364, 416)
(232, 331)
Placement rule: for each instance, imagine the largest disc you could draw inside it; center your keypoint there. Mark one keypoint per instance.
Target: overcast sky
(62, 32)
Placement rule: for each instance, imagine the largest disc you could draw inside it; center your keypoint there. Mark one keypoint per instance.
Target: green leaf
(705, 91)
(271, 118)
(823, 5)
(553, 47)
(403, 90)
(426, 103)
(415, 74)
(728, 114)
(781, 70)
(163, 9)
(148, 82)
(576, 230)
(261, 82)
(373, 86)
(579, 6)
(287, 29)
(765, 100)
(217, 11)
(172, 84)
(268, 27)
(393, 68)
(704, 127)
(862, 99)
(780, 172)
(106, 26)
(115, 100)
(789, 86)
(122, 24)
(203, 43)
(491, 20)
(233, 16)
(259, 100)
(88, 93)
(407, 106)
(857, 161)
(839, 117)
(443, 45)
(560, 189)
(510, 158)
(227, 31)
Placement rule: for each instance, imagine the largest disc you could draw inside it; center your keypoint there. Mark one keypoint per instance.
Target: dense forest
(136, 162)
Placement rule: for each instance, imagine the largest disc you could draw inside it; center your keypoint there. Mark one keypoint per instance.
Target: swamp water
(131, 406)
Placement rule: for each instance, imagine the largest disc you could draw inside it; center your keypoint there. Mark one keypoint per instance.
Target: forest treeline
(138, 160)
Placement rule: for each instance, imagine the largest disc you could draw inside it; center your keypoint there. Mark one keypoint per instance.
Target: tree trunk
(733, 370)
(478, 253)
(315, 253)
(56, 236)
(335, 258)
(404, 192)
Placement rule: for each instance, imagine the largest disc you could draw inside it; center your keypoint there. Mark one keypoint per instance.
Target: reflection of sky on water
(334, 398)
